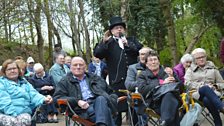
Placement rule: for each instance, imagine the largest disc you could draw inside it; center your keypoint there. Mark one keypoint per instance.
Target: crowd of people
(26, 85)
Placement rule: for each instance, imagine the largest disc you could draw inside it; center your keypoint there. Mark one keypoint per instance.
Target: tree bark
(86, 35)
(40, 40)
(74, 28)
(166, 8)
(196, 39)
(50, 30)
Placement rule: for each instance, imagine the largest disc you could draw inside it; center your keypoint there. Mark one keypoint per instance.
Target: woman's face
(200, 59)
(187, 64)
(153, 63)
(12, 72)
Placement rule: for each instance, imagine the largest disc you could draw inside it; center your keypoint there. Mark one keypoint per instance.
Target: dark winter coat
(148, 81)
(69, 88)
(117, 59)
(38, 83)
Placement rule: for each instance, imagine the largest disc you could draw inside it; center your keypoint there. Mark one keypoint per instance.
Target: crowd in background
(25, 85)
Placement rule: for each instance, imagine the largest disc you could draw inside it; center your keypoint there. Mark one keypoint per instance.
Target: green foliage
(165, 57)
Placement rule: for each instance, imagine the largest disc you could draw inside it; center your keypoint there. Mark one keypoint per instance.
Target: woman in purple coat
(181, 68)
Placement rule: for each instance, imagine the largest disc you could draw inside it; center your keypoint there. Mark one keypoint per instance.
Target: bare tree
(40, 40)
(86, 35)
(50, 29)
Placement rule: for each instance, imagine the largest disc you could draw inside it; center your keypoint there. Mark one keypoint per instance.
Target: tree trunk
(40, 40)
(123, 11)
(5, 19)
(166, 8)
(30, 8)
(56, 33)
(86, 35)
(50, 29)
(74, 29)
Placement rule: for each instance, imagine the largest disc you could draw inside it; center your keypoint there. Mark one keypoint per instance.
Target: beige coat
(196, 77)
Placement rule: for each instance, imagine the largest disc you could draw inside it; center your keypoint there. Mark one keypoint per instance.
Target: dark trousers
(212, 102)
(99, 112)
(168, 109)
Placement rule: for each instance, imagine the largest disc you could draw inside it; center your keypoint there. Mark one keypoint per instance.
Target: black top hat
(116, 20)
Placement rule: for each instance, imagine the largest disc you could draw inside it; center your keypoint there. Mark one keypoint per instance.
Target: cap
(30, 60)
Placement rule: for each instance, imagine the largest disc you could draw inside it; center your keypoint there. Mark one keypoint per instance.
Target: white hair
(145, 48)
(37, 66)
(198, 50)
(186, 57)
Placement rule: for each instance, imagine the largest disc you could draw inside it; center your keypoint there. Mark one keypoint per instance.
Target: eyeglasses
(200, 57)
(10, 69)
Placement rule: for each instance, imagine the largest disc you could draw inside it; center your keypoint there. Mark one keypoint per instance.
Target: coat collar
(208, 65)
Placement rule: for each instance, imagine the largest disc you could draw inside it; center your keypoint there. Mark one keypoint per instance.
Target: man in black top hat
(119, 52)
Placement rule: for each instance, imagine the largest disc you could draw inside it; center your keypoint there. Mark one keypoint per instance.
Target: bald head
(78, 67)
(78, 58)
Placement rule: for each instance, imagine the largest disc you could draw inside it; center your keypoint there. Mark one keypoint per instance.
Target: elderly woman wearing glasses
(204, 77)
(18, 97)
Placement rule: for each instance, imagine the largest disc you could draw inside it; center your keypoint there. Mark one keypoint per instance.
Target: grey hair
(186, 57)
(37, 66)
(198, 50)
(145, 48)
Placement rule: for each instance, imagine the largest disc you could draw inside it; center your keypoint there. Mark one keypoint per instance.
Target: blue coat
(18, 98)
(57, 72)
(103, 68)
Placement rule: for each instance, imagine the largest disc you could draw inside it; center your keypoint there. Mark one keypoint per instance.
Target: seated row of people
(18, 97)
(92, 98)
(201, 75)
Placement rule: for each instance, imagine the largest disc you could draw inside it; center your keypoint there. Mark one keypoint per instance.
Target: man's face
(12, 72)
(153, 63)
(116, 30)
(200, 59)
(57, 49)
(68, 60)
(60, 59)
(30, 65)
(142, 54)
(78, 67)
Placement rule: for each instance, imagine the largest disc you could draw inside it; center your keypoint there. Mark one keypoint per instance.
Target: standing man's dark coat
(117, 59)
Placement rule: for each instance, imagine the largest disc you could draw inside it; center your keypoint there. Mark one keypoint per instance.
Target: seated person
(88, 94)
(44, 84)
(205, 78)
(181, 68)
(135, 69)
(18, 97)
(154, 76)
(98, 67)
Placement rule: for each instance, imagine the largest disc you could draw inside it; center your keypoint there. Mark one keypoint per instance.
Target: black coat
(69, 88)
(117, 59)
(38, 83)
(148, 81)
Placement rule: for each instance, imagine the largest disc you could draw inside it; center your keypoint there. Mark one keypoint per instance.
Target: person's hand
(169, 71)
(48, 99)
(83, 104)
(106, 36)
(169, 79)
(124, 40)
(50, 88)
(44, 88)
